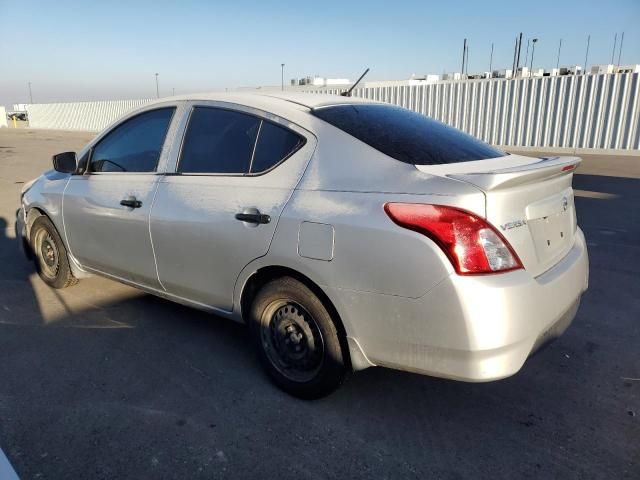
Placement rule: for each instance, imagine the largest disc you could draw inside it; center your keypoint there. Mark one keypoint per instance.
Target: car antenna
(348, 92)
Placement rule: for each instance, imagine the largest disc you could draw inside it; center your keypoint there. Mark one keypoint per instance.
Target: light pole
(467, 62)
(282, 77)
(533, 50)
(491, 61)
(620, 51)
(157, 88)
(519, 50)
(30, 94)
(586, 55)
(464, 55)
(559, 48)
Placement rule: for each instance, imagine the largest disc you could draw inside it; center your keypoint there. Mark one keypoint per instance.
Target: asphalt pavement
(103, 381)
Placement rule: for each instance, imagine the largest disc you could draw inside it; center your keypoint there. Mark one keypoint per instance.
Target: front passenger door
(106, 210)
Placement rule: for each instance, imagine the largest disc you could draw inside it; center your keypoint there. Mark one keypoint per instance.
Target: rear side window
(133, 146)
(275, 143)
(223, 141)
(405, 135)
(218, 141)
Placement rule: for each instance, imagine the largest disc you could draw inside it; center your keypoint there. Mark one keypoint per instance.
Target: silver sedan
(346, 233)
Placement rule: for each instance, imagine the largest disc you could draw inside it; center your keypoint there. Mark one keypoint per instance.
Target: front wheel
(51, 258)
(297, 339)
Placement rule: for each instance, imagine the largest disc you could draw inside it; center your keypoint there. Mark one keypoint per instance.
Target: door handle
(131, 202)
(257, 217)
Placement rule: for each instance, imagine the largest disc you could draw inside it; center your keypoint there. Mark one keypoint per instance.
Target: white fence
(88, 116)
(584, 111)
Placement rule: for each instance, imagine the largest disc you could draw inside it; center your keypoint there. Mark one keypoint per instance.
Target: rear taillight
(472, 244)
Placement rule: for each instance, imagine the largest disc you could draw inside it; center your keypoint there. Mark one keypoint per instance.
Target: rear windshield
(405, 135)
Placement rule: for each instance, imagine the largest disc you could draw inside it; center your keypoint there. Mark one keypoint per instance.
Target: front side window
(218, 141)
(133, 146)
(405, 135)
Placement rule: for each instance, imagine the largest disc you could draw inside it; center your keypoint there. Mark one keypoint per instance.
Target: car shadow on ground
(128, 385)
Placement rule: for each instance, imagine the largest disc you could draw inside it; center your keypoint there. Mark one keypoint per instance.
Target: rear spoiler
(502, 178)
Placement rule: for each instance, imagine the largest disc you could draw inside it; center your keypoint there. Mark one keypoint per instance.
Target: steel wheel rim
(292, 340)
(48, 254)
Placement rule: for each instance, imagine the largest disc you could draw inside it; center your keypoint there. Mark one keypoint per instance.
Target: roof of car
(259, 99)
(293, 107)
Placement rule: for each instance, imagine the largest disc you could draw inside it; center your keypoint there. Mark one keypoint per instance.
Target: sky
(102, 50)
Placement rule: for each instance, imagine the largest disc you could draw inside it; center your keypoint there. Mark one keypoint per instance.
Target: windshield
(405, 135)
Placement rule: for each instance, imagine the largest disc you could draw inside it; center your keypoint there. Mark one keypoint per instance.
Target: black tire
(50, 255)
(297, 340)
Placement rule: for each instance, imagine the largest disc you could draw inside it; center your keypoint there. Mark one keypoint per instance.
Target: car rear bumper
(471, 328)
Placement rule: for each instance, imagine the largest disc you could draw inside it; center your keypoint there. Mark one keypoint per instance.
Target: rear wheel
(297, 339)
(51, 258)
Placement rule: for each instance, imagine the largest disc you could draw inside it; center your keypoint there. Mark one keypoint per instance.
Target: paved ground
(102, 381)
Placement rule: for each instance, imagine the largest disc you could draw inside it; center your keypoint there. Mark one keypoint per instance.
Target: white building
(414, 80)
(504, 73)
(610, 68)
(571, 70)
(331, 82)
(429, 78)
(452, 76)
(599, 69)
(321, 82)
(627, 69)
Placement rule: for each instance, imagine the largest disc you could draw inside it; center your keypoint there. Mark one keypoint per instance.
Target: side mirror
(65, 162)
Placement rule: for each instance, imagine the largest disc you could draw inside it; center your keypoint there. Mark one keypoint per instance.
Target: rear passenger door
(234, 173)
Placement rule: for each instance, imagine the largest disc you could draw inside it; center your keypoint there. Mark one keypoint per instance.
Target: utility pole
(586, 55)
(30, 94)
(464, 53)
(620, 52)
(519, 49)
(559, 48)
(467, 62)
(173, 91)
(282, 76)
(491, 59)
(157, 88)
(613, 52)
(526, 58)
(533, 50)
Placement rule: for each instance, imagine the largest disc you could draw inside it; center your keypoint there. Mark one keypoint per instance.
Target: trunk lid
(528, 200)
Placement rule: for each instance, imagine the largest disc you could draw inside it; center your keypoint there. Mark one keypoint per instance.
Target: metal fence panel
(89, 116)
(583, 111)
